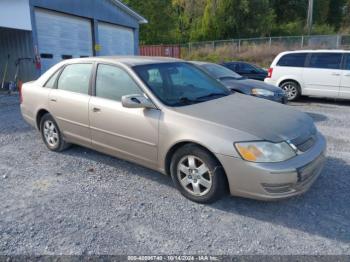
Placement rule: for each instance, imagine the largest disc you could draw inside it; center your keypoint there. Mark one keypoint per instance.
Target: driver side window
(113, 83)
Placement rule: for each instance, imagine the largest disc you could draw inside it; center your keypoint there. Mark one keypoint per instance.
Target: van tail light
(269, 73)
(20, 92)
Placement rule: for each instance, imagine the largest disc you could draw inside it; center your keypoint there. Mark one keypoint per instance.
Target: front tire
(292, 90)
(198, 175)
(51, 134)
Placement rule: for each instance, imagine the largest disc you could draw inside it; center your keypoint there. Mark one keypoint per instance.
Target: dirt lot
(83, 202)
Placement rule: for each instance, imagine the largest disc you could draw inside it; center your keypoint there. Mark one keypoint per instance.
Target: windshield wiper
(210, 96)
(189, 101)
(230, 77)
(186, 101)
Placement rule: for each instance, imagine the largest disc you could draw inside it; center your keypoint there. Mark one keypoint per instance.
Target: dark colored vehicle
(247, 70)
(240, 84)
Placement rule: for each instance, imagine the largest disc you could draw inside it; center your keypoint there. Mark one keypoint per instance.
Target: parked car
(238, 83)
(170, 116)
(322, 73)
(247, 70)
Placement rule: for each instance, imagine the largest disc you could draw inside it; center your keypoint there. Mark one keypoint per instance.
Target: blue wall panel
(103, 10)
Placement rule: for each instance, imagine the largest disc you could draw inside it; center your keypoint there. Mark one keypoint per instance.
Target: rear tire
(51, 134)
(198, 175)
(292, 90)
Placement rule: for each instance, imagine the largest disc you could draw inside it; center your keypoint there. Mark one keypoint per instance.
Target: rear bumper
(273, 181)
(26, 117)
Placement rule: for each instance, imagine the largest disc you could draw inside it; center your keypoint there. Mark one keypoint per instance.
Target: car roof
(317, 51)
(126, 60)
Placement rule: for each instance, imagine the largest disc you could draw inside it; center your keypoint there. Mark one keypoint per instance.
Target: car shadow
(323, 210)
(323, 101)
(317, 117)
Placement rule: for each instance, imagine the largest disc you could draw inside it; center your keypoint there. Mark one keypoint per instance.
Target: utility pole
(309, 20)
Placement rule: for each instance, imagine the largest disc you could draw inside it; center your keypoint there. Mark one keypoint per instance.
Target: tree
(161, 19)
(180, 21)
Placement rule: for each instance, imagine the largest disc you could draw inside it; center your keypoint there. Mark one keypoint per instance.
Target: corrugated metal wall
(17, 44)
(161, 50)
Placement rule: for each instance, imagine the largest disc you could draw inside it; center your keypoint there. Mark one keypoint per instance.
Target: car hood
(246, 85)
(261, 118)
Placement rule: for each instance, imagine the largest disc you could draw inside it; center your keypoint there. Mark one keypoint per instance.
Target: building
(36, 34)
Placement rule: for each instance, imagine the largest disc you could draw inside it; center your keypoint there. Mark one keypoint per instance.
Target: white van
(322, 73)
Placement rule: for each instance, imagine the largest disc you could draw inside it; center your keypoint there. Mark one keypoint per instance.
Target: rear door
(69, 102)
(344, 91)
(323, 74)
(129, 133)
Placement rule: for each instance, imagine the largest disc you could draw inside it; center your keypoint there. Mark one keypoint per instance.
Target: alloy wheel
(194, 175)
(291, 91)
(51, 133)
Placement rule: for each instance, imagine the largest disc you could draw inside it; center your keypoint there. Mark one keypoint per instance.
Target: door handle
(95, 109)
(335, 74)
(347, 75)
(53, 100)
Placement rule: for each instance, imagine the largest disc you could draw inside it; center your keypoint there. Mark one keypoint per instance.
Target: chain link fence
(261, 50)
(297, 42)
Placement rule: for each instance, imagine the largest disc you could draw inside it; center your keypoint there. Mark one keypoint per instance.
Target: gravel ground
(83, 202)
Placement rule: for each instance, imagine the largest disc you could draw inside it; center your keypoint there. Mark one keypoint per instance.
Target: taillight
(269, 73)
(20, 92)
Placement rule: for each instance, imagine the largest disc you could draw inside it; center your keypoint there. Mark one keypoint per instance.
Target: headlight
(261, 92)
(265, 151)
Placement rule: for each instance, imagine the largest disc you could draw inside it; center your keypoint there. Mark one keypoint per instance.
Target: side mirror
(137, 101)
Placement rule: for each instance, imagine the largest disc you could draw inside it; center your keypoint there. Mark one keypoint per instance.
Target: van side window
(326, 60)
(75, 78)
(293, 60)
(347, 62)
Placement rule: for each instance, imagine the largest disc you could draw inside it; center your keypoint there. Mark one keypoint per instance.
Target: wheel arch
(41, 112)
(177, 146)
(294, 81)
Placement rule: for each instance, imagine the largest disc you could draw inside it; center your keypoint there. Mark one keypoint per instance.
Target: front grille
(305, 146)
(309, 171)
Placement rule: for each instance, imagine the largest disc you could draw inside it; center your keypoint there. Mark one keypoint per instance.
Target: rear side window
(113, 83)
(293, 60)
(75, 78)
(233, 67)
(326, 60)
(246, 68)
(51, 82)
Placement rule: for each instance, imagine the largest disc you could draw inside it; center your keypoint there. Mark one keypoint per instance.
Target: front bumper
(273, 181)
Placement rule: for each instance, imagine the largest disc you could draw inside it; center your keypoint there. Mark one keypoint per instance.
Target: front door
(129, 133)
(345, 81)
(322, 75)
(69, 103)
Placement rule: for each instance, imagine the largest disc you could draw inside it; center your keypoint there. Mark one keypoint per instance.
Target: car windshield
(180, 83)
(220, 72)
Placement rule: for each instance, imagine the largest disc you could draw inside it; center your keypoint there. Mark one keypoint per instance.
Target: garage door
(62, 36)
(115, 40)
